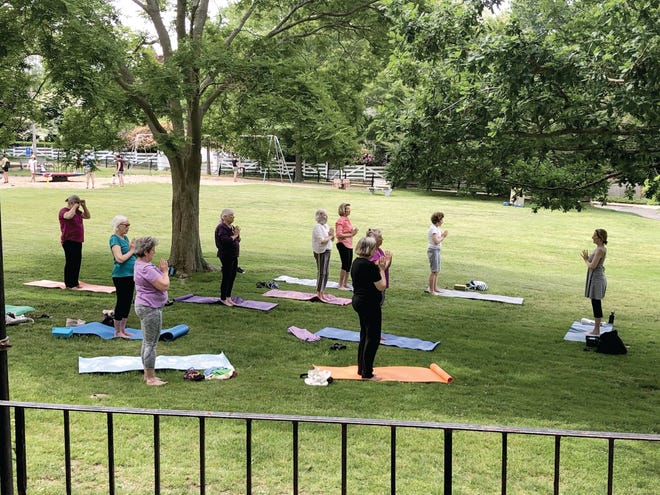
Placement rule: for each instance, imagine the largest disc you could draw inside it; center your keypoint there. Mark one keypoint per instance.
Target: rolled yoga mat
(410, 374)
(106, 332)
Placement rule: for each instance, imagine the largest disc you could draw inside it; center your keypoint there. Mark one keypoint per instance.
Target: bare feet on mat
(373, 378)
(155, 382)
(227, 302)
(595, 334)
(122, 335)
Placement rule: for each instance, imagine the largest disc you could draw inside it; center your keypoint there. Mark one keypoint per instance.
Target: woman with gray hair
(151, 283)
(322, 237)
(227, 241)
(123, 252)
(368, 284)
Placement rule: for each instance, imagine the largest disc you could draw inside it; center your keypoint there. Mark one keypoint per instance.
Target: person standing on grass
(378, 254)
(322, 237)
(4, 164)
(73, 235)
(596, 283)
(89, 166)
(368, 285)
(227, 241)
(434, 250)
(123, 252)
(151, 283)
(32, 166)
(119, 169)
(344, 233)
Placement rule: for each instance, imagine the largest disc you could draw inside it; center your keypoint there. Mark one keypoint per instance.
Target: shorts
(434, 259)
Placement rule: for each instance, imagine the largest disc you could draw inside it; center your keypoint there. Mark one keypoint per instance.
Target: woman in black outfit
(368, 284)
(227, 240)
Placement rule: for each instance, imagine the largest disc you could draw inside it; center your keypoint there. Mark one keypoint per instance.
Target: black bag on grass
(611, 343)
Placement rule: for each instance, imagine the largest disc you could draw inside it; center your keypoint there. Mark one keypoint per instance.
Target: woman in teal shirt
(123, 252)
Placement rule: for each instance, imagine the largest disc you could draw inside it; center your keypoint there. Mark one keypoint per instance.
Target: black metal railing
(448, 430)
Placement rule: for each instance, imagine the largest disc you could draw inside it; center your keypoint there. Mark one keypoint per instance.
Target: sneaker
(240, 270)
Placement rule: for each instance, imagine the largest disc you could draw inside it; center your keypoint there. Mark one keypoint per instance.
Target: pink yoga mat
(411, 374)
(51, 284)
(306, 296)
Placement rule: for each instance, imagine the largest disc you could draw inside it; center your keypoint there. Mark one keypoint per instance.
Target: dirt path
(646, 211)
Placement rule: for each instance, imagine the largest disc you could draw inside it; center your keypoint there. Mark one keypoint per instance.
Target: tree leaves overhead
(557, 99)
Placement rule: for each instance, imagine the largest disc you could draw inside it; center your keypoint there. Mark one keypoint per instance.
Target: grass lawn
(510, 363)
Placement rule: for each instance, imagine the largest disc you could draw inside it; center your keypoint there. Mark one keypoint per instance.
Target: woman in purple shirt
(151, 284)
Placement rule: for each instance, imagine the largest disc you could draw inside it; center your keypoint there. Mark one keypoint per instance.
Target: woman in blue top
(123, 252)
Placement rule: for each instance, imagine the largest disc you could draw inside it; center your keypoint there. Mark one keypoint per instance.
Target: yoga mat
(310, 282)
(106, 332)
(410, 374)
(51, 284)
(17, 310)
(306, 296)
(480, 296)
(391, 340)
(241, 303)
(118, 364)
(578, 331)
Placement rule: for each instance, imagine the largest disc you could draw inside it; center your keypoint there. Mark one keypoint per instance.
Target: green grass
(510, 363)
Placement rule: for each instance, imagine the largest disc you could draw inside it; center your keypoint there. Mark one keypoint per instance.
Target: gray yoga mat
(119, 364)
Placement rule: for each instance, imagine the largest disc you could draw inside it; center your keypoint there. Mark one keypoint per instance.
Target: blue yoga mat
(107, 333)
(393, 340)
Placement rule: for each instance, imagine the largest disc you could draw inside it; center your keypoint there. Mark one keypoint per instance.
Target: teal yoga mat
(106, 332)
(17, 310)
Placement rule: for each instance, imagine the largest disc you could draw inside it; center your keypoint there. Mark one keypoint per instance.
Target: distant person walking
(235, 165)
(119, 169)
(89, 166)
(596, 283)
(4, 164)
(32, 165)
(73, 235)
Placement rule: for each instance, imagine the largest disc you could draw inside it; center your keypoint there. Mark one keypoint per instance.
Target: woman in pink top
(344, 233)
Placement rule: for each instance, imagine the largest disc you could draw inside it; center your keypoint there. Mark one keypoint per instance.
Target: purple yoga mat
(306, 296)
(303, 334)
(241, 303)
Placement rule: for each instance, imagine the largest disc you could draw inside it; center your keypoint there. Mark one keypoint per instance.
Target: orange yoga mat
(432, 374)
(51, 284)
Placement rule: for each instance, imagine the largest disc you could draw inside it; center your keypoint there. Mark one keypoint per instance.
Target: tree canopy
(555, 99)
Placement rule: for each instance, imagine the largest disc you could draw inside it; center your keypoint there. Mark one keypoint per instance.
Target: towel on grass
(106, 332)
(389, 339)
(303, 334)
(480, 296)
(578, 331)
(410, 374)
(241, 303)
(306, 296)
(51, 284)
(118, 364)
(310, 282)
(17, 310)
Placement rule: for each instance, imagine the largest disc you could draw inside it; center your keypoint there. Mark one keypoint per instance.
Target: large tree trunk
(298, 176)
(186, 250)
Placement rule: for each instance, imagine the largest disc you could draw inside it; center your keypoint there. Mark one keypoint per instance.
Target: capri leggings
(346, 256)
(597, 307)
(125, 287)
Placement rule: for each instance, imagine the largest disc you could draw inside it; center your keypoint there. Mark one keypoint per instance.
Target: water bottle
(611, 318)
